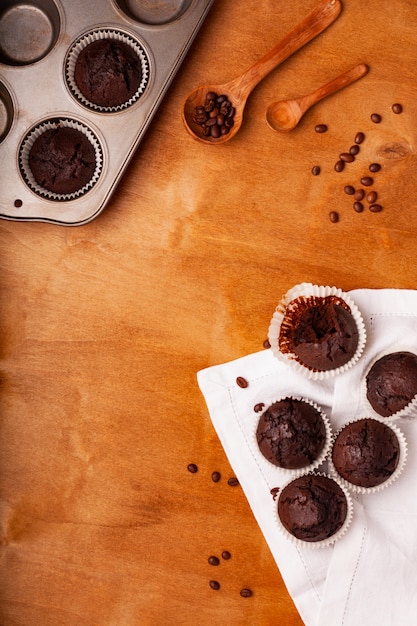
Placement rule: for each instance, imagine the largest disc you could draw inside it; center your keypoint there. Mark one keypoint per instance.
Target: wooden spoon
(239, 89)
(285, 114)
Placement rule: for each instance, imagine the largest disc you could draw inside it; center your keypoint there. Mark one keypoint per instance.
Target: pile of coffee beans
(215, 116)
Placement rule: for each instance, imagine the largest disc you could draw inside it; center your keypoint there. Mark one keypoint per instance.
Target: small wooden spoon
(239, 89)
(285, 114)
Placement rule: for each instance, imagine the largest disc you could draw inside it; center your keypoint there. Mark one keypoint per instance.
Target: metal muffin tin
(36, 39)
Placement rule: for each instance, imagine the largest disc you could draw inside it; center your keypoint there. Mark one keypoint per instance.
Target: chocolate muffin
(108, 72)
(62, 160)
(366, 452)
(312, 507)
(391, 383)
(320, 331)
(291, 433)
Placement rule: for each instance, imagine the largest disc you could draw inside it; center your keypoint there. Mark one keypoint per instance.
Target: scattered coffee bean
(214, 584)
(375, 208)
(359, 138)
(213, 560)
(347, 157)
(241, 382)
(358, 206)
(215, 116)
(334, 217)
(246, 593)
(374, 167)
(258, 407)
(397, 108)
(371, 197)
(354, 149)
(316, 170)
(367, 181)
(349, 190)
(226, 555)
(339, 166)
(192, 467)
(233, 482)
(359, 194)
(376, 118)
(320, 128)
(266, 344)
(215, 477)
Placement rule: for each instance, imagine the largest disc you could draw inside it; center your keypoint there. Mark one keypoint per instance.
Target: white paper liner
(28, 142)
(409, 411)
(308, 290)
(323, 454)
(84, 41)
(394, 476)
(324, 543)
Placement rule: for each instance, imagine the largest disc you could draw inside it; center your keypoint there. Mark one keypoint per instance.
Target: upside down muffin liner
(278, 321)
(30, 139)
(96, 35)
(324, 453)
(409, 411)
(323, 543)
(394, 476)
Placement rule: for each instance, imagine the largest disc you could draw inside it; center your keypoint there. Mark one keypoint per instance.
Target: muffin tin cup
(306, 468)
(307, 290)
(26, 148)
(96, 35)
(324, 543)
(409, 411)
(357, 489)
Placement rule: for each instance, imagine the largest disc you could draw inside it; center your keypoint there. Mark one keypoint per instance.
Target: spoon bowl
(239, 89)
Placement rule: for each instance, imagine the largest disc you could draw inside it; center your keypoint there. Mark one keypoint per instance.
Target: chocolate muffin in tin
(107, 70)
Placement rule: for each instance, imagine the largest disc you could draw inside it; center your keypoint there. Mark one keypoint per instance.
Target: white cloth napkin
(369, 577)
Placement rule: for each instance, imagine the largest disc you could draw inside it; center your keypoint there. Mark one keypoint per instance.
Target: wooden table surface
(104, 326)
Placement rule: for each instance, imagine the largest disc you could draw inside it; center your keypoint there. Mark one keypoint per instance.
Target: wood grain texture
(104, 326)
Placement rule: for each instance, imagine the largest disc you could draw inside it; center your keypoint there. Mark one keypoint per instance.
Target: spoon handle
(334, 85)
(320, 18)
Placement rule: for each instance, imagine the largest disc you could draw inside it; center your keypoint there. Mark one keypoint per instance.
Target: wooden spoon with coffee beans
(238, 90)
(285, 114)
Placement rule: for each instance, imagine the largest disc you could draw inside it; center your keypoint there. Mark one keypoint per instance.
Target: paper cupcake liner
(307, 290)
(324, 543)
(28, 142)
(409, 411)
(394, 476)
(306, 468)
(84, 41)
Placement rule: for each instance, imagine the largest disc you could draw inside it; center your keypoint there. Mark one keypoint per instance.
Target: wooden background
(104, 326)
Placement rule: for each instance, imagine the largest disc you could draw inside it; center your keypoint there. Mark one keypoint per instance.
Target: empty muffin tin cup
(26, 147)
(279, 323)
(105, 34)
(402, 458)
(6, 111)
(154, 13)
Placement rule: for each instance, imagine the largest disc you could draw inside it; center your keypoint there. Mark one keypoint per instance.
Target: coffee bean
(354, 149)
(367, 181)
(320, 128)
(226, 555)
(347, 157)
(397, 108)
(358, 206)
(213, 560)
(258, 407)
(371, 197)
(376, 118)
(349, 190)
(359, 137)
(316, 170)
(241, 382)
(233, 482)
(339, 166)
(192, 467)
(214, 584)
(334, 216)
(266, 344)
(215, 477)
(374, 167)
(215, 131)
(375, 208)
(359, 194)
(246, 593)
